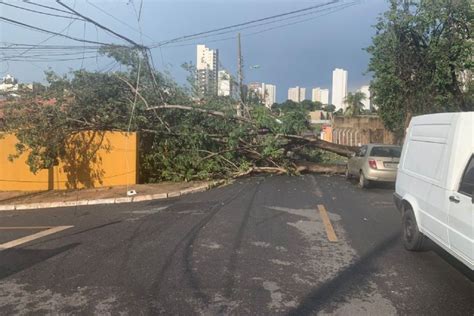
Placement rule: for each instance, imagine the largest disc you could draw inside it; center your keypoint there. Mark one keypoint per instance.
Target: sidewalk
(47, 199)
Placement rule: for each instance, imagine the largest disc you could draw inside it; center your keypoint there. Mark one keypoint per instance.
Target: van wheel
(413, 239)
(363, 182)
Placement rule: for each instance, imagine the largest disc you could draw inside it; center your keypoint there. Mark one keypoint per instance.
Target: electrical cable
(333, 10)
(271, 22)
(245, 23)
(51, 32)
(98, 24)
(117, 19)
(45, 6)
(35, 11)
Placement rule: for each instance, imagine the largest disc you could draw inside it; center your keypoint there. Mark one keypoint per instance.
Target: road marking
(327, 223)
(23, 240)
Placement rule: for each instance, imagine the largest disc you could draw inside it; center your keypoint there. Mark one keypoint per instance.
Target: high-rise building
(339, 88)
(224, 83)
(207, 61)
(266, 93)
(297, 94)
(269, 94)
(367, 102)
(324, 96)
(320, 95)
(255, 90)
(316, 95)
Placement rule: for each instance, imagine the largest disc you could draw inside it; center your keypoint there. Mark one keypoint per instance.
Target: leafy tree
(419, 53)
(354, 103)
(181, 138)
(310, 105)
(329, 108)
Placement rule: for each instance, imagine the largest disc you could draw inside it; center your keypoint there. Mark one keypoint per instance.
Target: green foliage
(175, 144)
(354, 103)
(321, 156)
(329, 108)
(290, 105)
(419, 53)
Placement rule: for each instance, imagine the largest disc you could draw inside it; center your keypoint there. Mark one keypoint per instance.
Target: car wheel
(363, 182)
(413, 239)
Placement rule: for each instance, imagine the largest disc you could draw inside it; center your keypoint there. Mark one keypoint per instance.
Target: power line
(244, 23)
(35, 11)
(116, 19)
(331, 9)
(51, 32)
(61, 32)
(17, 46)
(45, 6)
(50, 54)
(47, 59)
(99, 25)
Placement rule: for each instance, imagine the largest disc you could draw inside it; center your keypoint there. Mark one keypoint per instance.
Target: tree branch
(205, 111)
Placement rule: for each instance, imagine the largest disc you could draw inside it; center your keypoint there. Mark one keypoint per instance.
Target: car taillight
(372, 164)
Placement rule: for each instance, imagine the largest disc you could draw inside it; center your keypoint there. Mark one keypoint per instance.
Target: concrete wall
(360, 130)
(92, 159)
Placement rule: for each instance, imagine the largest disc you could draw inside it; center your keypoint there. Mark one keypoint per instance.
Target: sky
(303, 54)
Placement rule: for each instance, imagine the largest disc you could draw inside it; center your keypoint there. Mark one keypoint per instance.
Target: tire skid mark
(156, 287)
(193, 279)
(232, 265)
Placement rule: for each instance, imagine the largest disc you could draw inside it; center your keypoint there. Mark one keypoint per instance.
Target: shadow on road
(16, 260)
(455, 263)
(352, 277)
(375, 185)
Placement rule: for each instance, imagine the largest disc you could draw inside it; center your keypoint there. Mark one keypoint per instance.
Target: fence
(91, 160)
(359, 130)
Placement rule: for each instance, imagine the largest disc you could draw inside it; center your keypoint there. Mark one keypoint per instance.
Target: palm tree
(354, 103)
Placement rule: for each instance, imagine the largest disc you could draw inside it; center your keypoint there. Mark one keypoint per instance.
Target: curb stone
(120, 200)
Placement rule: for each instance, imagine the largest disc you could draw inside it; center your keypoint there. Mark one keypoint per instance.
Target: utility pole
(240, 77)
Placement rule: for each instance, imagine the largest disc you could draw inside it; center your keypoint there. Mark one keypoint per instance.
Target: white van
(435, 183)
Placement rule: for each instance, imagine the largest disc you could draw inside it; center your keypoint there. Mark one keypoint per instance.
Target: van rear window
(467, 182)
(393, 152)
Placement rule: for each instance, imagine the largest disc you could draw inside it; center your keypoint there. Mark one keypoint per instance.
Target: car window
(381, 151)
(467, 181)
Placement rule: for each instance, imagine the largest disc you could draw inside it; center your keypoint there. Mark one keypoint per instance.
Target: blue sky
(303, 54)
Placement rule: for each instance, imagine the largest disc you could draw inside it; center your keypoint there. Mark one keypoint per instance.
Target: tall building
(367, 102)
(266, 93)
(224, 83)
(320, 95)
(207, 61)
(269, 94)
(339, 88)
(324, 96)
(297, 94)
(255, 90)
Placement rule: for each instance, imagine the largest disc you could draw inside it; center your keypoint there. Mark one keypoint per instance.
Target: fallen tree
(180, 139)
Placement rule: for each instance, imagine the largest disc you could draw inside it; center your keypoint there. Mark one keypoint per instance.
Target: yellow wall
(92, 159)
(327, 134)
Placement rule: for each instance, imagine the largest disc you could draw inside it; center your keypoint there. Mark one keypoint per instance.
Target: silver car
(374, 162)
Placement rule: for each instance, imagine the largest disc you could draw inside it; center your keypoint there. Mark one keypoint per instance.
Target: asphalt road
(258, 246)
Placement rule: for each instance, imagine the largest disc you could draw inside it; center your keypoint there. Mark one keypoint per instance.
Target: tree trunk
(305, 166)
(342, 150)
